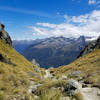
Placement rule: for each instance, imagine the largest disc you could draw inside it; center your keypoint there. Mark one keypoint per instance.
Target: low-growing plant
(77, 96)
(50, 95)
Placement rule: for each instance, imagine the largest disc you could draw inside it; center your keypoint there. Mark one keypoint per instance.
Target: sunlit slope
(88, 65)
(15, 78)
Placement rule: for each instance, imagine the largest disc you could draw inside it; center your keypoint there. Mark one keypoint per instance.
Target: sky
(32, 19)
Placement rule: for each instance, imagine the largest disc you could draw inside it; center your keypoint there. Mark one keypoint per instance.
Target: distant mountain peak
(54, 51)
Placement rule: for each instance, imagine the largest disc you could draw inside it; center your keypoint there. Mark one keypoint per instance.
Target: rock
(48, 74)
(90, 93)
(90, 47)
(72, 86)
(98, 93)
(4, 35)
(37, 70)
(36, 97)
(4, 60)
(63, 77)
(33, 88)
(35, 62)
(75, 74)
(80, 79)
(65, 98)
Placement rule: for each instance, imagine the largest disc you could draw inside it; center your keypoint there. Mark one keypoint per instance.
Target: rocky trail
(73, 87)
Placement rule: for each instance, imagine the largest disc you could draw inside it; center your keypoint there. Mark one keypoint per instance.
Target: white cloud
(91, 2)
(88, 25)
(94, 2)
(24, 11)
(47, 25)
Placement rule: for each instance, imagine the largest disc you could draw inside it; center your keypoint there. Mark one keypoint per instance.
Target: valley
(52, 52)
(22, 80)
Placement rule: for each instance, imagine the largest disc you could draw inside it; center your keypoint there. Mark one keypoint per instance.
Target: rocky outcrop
(90, 47)
(4, 35)
(76, 91)
(4, 60)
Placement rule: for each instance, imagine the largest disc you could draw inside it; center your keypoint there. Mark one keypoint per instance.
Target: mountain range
(53, 51)
(22, 80)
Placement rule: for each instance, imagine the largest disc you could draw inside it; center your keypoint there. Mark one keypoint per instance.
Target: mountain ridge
(55, 51)
(22, 80)
(90, 47)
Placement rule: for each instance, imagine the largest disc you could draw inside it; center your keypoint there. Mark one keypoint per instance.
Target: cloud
(91, 2)
(24, 11)
(87, 25)
(94, 2)
(47, 25)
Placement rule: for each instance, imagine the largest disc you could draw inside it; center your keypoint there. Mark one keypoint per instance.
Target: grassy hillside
(17, 75)
(88, 65)
(15, 78)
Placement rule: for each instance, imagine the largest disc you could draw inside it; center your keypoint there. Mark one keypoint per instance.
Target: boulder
(75, 73)
(72, 86)
(4, 35)
(65, 98)
(90, 93)
(4, 60)
(33, 88)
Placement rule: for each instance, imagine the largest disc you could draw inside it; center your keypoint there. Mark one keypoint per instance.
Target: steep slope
(55, 51)
(90, 47)
(16, 73)
(79, 80)
(87, 67)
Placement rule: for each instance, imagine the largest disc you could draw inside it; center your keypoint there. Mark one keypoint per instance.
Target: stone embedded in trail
(33, 88)
(90, 93)
(65, 98)
(48, 74)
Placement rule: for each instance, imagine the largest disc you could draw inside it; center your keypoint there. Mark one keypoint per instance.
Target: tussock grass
(50, 84)
(50, 95)
(15, 80)
(78, 96)
(89, 65)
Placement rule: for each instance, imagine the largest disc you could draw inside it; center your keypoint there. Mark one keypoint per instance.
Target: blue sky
(31, 19)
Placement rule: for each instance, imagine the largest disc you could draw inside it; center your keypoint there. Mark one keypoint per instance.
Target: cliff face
(90, 47)
(4, 35)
